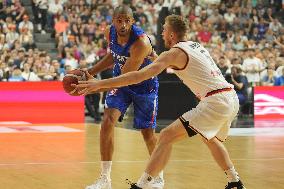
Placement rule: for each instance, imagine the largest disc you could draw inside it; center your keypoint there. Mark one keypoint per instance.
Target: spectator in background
(238, 43)
(275, 26)
(42, 6)
(204, 36)
(280, 42)
(17, 10)
(28, 74)
(16, 75)
(280, 79)
(254, 16)
(26, 23)
(51, 74)
(26, 39)
(4, 71)
(269, 79)
(229, 16)
(252, 67)
(19, 59)
(222, 65)
(58, 69)
(54, 8)
(240, 83)
(269, 36)
(215, 18)
(262, 27)
(255, 35)
(70, 60)
(60, 27)
(11, 35)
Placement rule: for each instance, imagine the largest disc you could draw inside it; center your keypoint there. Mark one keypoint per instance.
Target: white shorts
(213, 116)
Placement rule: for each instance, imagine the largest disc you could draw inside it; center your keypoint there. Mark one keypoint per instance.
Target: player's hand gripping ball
(72, 77)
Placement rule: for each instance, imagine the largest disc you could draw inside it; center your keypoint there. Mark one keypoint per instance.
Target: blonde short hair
(178, 25)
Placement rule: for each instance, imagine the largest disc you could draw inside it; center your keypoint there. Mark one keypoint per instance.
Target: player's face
(122, 24)
(167, 33)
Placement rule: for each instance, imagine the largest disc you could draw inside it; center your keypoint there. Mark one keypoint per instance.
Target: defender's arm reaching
(172, 58)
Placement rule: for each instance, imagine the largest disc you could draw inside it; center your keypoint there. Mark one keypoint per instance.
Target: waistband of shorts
(218, 91)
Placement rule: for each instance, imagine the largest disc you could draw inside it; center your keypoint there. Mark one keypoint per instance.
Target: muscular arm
(106, 62)
(102, 65)
(138, 52)
(171, 58)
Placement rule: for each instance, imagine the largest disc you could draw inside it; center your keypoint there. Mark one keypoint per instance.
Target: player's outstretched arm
(134, 77)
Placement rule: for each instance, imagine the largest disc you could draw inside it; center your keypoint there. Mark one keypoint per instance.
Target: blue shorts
(145, 106)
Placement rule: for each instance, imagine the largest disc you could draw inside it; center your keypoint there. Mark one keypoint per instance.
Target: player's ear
(172, 35)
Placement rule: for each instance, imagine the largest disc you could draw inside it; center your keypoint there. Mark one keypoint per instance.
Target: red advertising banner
(269, 106)
(39, 102)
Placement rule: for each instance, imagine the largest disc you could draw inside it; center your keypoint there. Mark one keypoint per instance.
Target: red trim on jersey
(217, 91)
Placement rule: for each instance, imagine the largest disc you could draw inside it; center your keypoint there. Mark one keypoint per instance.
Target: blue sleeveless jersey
(121, 54)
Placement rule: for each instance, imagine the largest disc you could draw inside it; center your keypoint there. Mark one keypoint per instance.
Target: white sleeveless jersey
(201, 73)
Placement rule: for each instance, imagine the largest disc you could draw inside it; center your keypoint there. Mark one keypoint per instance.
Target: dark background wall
(174, 99)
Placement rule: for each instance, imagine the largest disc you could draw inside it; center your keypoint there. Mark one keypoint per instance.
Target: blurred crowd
(245, 38)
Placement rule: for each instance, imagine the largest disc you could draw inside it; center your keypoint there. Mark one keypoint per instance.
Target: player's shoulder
(176, 50)
(142, 42)
(176, 54)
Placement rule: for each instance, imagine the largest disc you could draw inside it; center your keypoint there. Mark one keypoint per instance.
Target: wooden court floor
(70, 160)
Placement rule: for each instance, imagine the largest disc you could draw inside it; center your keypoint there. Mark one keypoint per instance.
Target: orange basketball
(72, 77)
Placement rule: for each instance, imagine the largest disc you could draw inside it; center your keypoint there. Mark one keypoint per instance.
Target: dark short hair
(123, 9)
(178, 25)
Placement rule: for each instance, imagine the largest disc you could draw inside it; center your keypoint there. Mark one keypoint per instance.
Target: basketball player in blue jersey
(129, 51)
(211, 118)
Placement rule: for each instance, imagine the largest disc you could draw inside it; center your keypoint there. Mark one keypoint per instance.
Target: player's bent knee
(147, 133)
(166, 137)
(109, 120)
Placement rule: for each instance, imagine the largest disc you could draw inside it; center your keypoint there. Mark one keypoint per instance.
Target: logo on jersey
(118, 57)
(113, 92)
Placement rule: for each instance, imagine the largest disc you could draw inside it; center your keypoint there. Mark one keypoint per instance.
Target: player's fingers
(88, 74)
(73, 91)
(80, 85)
(83, 91)
(73, 85)
(87, 92)
(85, 82)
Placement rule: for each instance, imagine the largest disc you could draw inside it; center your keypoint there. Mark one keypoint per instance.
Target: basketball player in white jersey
(211, 118)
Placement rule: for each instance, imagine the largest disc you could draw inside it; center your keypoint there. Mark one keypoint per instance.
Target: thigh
(174, 132)
(224, 130)
(206, 119)
(145, 110)
(118, 99)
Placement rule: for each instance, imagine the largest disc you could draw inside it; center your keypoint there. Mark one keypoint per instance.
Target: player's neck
(122, 40)
(174, 42)
(182, 40)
